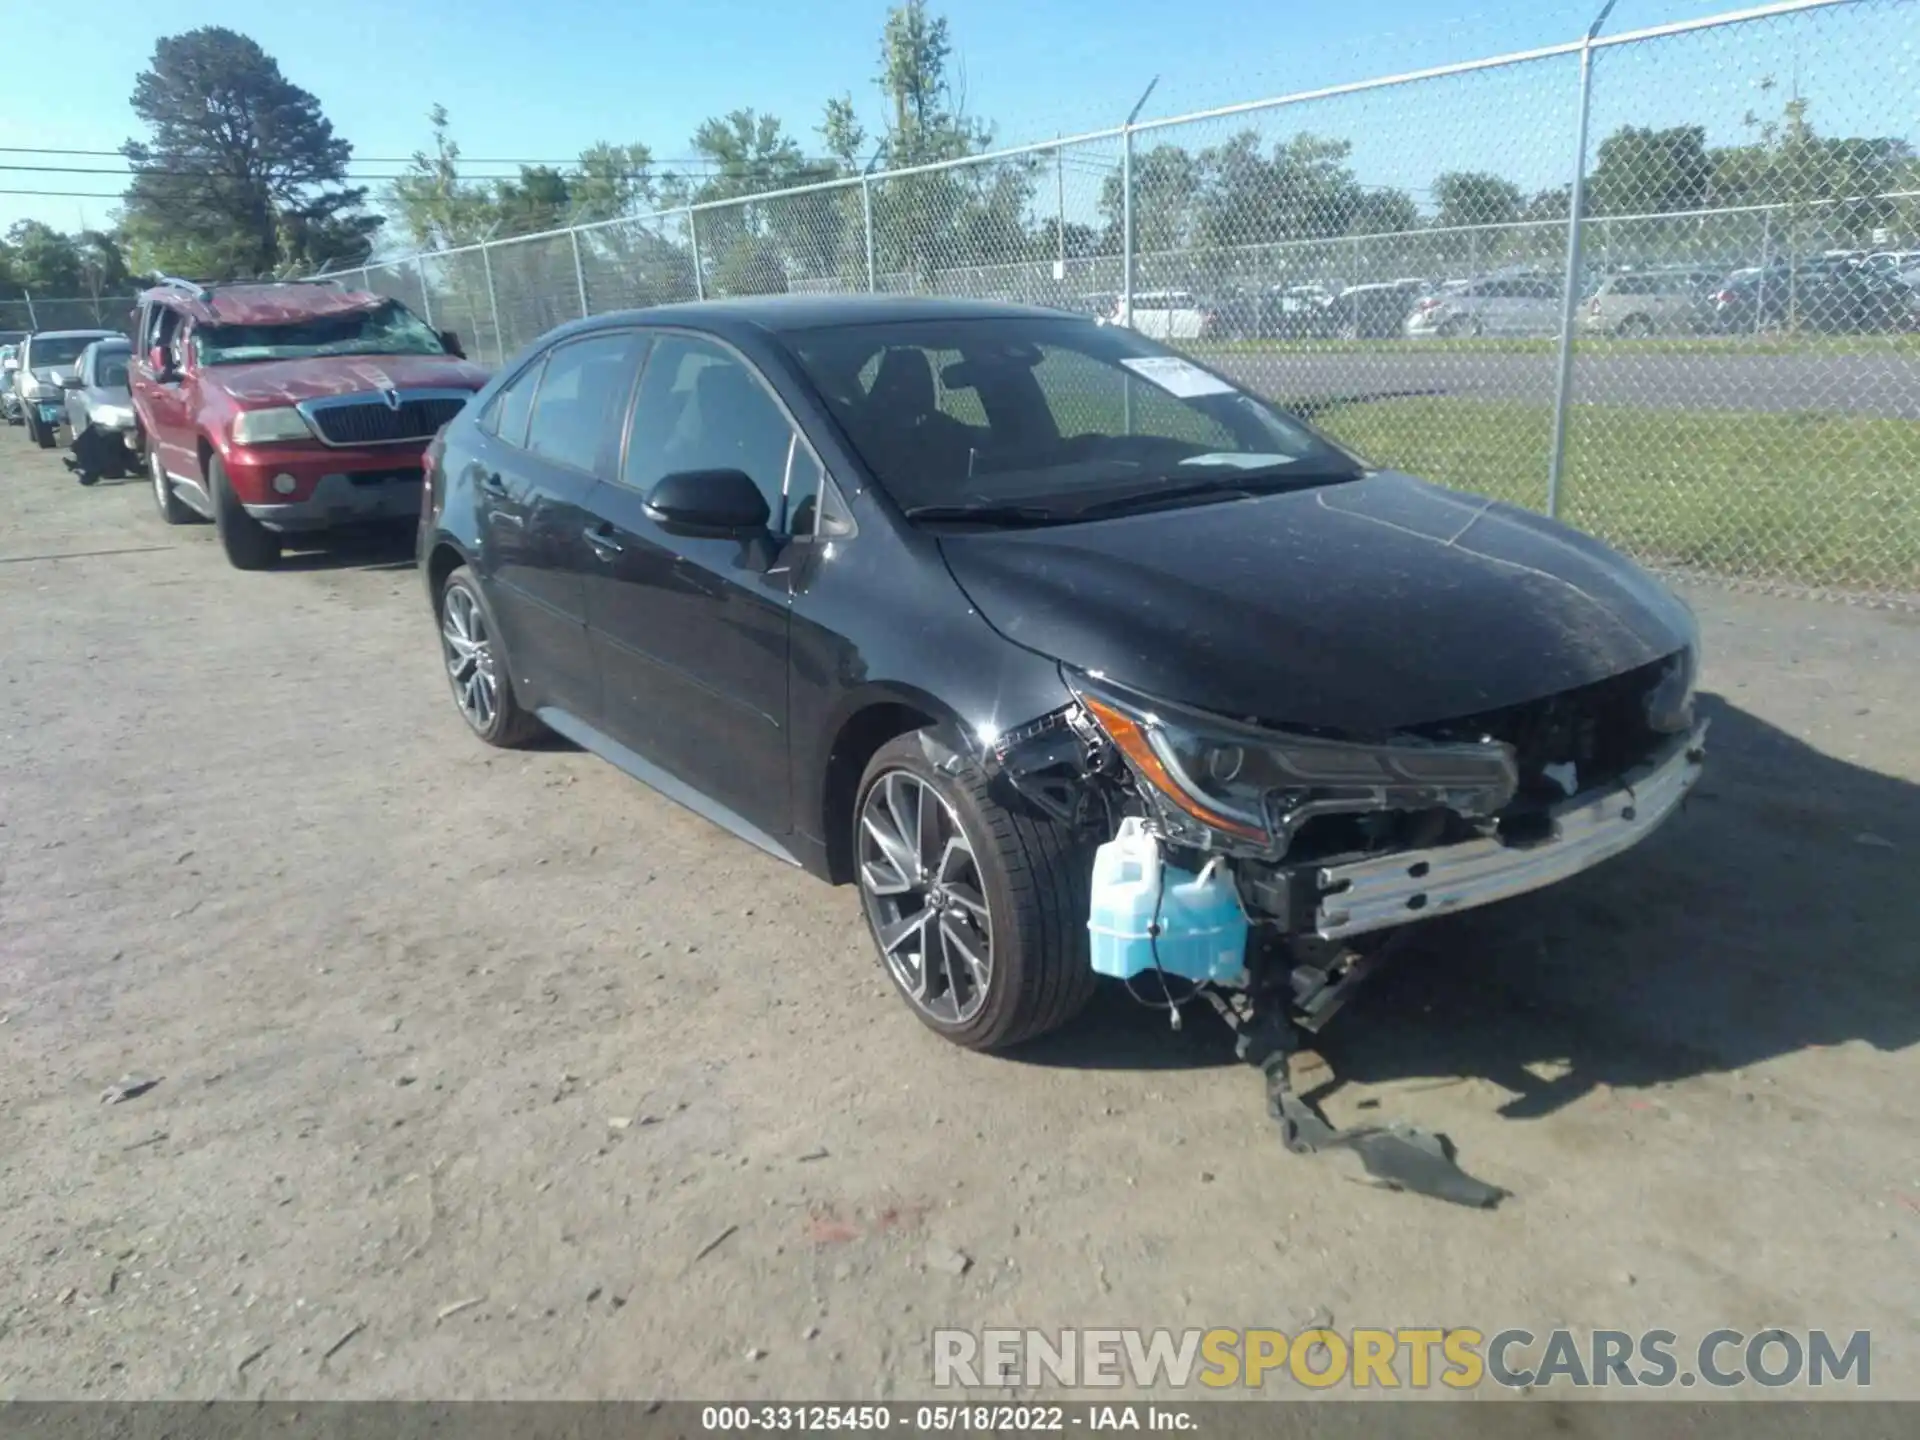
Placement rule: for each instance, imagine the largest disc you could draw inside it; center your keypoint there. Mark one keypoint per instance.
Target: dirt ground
(433, 1024)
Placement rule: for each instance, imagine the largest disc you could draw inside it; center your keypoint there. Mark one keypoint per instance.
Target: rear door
(545, 440)
(691, 632)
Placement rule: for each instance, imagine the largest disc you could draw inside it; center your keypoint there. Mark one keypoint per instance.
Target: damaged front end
(1333, 843)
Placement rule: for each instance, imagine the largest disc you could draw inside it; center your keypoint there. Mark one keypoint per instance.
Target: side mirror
(715, 503)
(70, 381)
(157, 362)
(450, 342)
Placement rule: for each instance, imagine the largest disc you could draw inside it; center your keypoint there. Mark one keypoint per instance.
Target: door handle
(600, 537)
(491, 482)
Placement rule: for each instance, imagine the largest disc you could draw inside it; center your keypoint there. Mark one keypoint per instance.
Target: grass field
(1814, 498)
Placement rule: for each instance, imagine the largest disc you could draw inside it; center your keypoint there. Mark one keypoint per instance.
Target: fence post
(693, 238)
(866, 219)
(1126, 223)
(33, 320)
(1766, 260)
(493, 304)
(1570, 294)
(579, 272)
(426, 295)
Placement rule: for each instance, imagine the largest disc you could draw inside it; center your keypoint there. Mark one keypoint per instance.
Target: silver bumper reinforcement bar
(1389, 890)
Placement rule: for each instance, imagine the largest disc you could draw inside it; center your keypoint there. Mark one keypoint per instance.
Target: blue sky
(542, 81)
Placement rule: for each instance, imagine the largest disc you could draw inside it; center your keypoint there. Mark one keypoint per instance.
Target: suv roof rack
(203, 289)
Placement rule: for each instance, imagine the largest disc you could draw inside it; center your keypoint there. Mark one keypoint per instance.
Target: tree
(611, 181)
(1644, 171)
(843, 135)
(438, 209)
(241, 169)
(1384, 211)
(1166, 187)
(1474, 197)
(42, 260)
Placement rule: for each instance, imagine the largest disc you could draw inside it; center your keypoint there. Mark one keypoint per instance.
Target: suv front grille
(372, 421)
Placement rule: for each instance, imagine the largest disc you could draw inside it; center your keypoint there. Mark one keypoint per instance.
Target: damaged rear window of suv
(1038, 421)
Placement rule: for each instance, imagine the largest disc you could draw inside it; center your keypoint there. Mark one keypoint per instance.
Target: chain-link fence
(1661, 283)
(87, 312)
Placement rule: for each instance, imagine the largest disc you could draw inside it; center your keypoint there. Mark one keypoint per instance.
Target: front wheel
(248, 543)
(40, 431)
(979, 912)
(172, 509)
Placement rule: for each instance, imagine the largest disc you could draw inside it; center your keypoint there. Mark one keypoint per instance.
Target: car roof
(261, 302)
(69, 334)
(781, 313)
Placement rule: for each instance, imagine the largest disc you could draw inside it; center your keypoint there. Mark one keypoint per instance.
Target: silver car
(1493, 305)
(100, 410)
(44, 357)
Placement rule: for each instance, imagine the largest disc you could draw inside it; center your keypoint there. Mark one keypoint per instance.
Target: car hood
(286, 382)
(1362, 607)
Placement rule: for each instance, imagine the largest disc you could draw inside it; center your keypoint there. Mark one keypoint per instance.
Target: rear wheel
(979, 912)
(41, 432)
(1636, 327)
(476, 668)
(248, 543)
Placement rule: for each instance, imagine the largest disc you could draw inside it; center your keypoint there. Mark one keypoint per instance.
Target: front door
(691, 632)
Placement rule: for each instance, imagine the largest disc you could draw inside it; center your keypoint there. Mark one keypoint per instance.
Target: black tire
(173, 510)
(248, 543)
(511, 724)
(41, 432)
(1635, 327)
(1035, 876)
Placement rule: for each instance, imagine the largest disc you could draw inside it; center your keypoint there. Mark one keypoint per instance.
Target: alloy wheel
(468, 647)
(920, 882)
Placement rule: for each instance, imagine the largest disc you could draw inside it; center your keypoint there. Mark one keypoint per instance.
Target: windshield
(1058, 417)
(45, 352)
(388, 329)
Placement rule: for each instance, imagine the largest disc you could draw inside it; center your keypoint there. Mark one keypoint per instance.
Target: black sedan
(930, 596)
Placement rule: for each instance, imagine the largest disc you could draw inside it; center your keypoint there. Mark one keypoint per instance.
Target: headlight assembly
(1257, 786)
(263, 427)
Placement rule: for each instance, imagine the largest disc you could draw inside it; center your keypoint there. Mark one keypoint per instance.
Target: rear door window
(582, 399)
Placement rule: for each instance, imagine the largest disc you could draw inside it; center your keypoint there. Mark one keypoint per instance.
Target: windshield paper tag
(1177, 376)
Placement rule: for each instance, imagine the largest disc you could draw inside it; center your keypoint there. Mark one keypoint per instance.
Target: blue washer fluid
(1203, 930)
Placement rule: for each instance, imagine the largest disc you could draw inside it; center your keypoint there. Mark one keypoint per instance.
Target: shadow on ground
(378, 548)
(1774, 914)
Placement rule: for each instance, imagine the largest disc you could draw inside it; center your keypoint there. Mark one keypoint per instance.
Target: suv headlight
(1257, 786)
(263, 427)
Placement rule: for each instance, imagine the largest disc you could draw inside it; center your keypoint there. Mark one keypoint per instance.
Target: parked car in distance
(286, 408)
(11, 410)
(1376, 311)
(1167, 315)
(100, 423)
(1847, 299)
(44, 358)
(1493, 305)
(929, 595)
(1648, 302)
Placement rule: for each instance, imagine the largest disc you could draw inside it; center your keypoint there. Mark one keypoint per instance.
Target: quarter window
(507, 412)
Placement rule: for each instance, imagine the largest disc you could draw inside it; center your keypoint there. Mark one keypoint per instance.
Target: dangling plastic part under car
(1309, 842)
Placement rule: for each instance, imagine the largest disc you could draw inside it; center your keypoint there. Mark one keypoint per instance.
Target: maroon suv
(288, 407)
